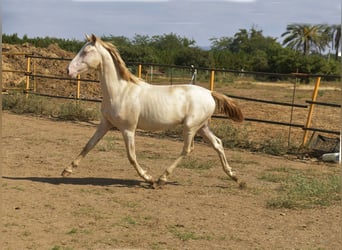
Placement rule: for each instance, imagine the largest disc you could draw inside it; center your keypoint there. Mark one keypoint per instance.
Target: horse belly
(160, 115)
(158, 121)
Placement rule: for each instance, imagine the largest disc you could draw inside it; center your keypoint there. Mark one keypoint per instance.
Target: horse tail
(227, 106)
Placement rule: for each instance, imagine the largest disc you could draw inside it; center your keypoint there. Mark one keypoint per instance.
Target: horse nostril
(68, 71)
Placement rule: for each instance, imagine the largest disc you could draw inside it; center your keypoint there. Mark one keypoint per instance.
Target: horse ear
(87, 37)
(93, 38)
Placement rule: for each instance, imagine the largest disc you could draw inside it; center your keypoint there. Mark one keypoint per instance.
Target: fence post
(212, 79)
(78, 87)
(312, 105)
(28, 66)
(139, 70)
(34, 79)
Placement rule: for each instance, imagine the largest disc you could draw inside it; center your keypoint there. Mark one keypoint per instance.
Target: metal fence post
(28, 66)
(311, 109)
(139, 70)
(34, 79)
(78, 87)
(212, 80)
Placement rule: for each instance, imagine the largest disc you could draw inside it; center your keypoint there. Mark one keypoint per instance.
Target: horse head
(87, 58)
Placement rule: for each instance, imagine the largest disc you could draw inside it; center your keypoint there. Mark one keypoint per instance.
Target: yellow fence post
(311, 109)
(34, 79)
(139, 70)
(212, 79)
(78, 87)
(28, 66)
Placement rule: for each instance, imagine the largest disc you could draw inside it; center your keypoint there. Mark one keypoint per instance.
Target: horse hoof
(158, 184)
(161, 182)
(234, 178)
(66, 173)
(242, 185)
(154, 185)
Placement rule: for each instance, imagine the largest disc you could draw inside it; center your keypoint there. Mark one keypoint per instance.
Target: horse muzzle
(71, 73)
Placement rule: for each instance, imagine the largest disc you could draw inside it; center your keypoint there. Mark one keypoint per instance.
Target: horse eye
(85, 51)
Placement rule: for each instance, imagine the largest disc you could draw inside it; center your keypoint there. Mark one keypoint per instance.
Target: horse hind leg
(217, 145)
(188, 147)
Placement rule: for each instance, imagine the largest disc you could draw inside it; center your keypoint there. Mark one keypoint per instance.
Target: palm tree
(306, 37)
(336, 38)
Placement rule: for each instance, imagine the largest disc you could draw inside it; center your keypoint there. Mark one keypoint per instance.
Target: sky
(199, 20)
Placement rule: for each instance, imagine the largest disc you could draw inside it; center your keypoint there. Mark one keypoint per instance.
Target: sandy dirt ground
(105, 205)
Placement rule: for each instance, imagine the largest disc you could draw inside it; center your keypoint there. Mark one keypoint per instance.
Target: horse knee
(219, 141)
(217, 144)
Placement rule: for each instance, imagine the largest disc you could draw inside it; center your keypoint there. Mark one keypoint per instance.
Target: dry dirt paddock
(105, 205)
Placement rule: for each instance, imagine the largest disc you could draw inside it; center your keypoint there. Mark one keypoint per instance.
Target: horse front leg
(130, 148)
(101, 130)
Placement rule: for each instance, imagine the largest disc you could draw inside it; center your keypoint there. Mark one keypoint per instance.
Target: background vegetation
(305, 48)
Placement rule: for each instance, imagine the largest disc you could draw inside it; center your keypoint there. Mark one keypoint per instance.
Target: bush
(231, 136)
(21, 104)
(43, 106)
(76, 112)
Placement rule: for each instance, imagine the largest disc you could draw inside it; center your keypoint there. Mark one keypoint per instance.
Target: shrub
(31, 104)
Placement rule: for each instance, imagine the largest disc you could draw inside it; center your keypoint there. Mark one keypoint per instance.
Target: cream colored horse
(129, 103)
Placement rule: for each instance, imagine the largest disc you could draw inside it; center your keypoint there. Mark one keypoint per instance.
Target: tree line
(304, 48)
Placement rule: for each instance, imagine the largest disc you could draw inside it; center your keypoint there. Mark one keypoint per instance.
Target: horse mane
(118, 61)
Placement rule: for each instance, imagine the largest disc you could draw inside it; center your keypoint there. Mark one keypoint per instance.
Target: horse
(129, 103)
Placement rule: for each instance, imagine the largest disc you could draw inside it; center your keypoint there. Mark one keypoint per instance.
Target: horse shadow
(92, 181)
(87, 181)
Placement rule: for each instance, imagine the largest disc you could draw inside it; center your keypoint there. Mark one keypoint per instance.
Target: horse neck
(112, 84)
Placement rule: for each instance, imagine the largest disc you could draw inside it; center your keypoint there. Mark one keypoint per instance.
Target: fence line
(323, 130)
(307, 127)
(65, 97)
(47, 57)
(62, 78)
(265, 121)
(292, 75)
(269, 102)
(325, 104)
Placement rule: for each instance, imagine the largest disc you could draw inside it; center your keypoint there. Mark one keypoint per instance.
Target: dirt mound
(14, 59)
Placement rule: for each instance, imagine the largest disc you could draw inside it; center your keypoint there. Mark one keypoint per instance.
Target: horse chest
(118, 115)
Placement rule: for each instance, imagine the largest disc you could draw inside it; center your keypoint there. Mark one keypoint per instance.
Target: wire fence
(174, 74)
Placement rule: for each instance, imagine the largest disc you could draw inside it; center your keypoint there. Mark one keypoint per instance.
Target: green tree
(259, 61)
(306, 37)
(220, 44)
(11, 39)
(240, 41)
(336, 38)
(248, 50)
